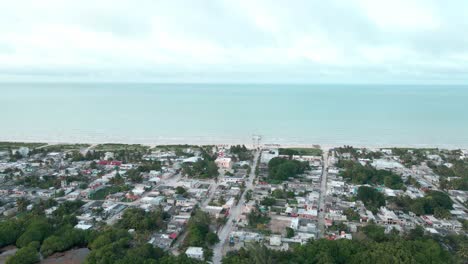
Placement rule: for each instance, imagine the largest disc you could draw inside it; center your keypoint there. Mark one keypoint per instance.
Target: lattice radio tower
(256, 139)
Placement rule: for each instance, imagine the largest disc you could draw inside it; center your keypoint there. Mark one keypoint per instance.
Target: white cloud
(401, 14)
(277, 40)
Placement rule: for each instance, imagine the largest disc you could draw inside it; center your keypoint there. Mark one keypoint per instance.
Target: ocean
(292, 114)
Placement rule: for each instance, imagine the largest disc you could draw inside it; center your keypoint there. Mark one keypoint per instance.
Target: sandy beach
(249, 144)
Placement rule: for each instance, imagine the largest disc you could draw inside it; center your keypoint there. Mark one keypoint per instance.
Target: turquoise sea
(370, 115)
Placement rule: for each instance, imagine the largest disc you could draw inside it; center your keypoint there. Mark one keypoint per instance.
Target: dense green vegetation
(89, 156)
(280, 169)
(202, 168)
(435, 202)
(359, 153)
(62, 147)
(280, 194)
(44, 182)
(410, 157)
(351, 214)
(16, 145)
(371, 198)
(65, 239)
(102, 193)
(301, 151)
(256, 219)
(459, 169)
(119, 147)
(146, 166)
(241, 152)
(32, 231)
(268, 201)
(199, 234)
(140, 220)
(116, 246)
(376, 247)
(359, 174)
(25, 255)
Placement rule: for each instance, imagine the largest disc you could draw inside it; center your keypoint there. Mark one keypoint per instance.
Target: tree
(351, 214)
(416, 233)
(211, 238)
(22, 204)
(280, 169)
(199, 234)
(140, 220)
(289, 232)
(443, 213)
(371, 198)
(366, 174)
(25, 255)
(37, 230)
(374, 232)
(268, 201)
(66, 238)
(10, 230)
(180, 190)
(248, 195)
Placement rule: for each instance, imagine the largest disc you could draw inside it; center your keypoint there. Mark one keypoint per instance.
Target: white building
(267, 155)
(23, 151)
(108, 155)
(195, 252)
(275, 240)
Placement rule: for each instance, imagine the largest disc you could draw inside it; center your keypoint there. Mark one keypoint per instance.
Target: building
(275, 240)
(234, 179)
(223, 162)
(109, 156)
(195, 253)
(23, 151)
(267, 155)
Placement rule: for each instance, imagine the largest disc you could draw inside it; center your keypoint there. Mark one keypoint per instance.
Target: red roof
(173, 236)
(103, 162)
(106, 162)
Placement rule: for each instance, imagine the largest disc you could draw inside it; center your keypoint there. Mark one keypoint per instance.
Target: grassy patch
(102, 193)
(117, 147)
(301, 151)
(175, 147)
(15, 145)
(65, 147)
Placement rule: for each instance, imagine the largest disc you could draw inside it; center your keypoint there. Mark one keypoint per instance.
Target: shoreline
(249, 144)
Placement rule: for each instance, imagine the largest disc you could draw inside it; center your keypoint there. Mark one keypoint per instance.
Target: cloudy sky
(407, 41)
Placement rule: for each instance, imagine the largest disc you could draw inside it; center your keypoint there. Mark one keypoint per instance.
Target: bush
(25, 255)
(371, 198)
(281, 169)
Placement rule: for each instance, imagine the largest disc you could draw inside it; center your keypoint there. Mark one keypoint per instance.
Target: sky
(313, 41)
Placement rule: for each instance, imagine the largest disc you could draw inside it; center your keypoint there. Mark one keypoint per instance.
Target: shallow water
(230, 113)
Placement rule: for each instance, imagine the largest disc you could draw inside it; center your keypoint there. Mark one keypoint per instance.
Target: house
(275, 240)
(234, 179)
(223, 162)
(153, 200)
(108, 156)
(195, 253)
(387, 217)
(215, 211)
(267, 155)
(309, 214)
(83, 226)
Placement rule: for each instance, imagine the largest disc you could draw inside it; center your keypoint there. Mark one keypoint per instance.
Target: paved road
(323, 194)
(234, 214)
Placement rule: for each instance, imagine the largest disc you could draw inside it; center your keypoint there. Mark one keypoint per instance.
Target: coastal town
(105, 203)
